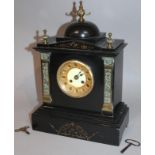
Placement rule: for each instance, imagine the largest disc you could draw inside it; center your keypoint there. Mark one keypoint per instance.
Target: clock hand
(80, 74)
(76, 77)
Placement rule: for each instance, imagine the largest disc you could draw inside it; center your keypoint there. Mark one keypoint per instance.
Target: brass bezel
(82, 91)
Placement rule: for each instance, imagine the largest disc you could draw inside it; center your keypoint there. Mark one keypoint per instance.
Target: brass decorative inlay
(75, 45)
(47, 99)
(107, 107)
(81, 13)
(75, 78)
(109, 41)
(73, 13)
(45, 57)
(73, 130)
(108, 81)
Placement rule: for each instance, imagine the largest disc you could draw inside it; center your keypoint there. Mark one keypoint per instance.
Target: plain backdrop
(122, 18)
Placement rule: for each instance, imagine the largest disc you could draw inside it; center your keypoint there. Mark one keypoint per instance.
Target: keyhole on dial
(70, 81)
(82, 82)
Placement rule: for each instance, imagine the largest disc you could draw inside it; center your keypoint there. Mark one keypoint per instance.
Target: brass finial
(45, 37)
(45, 32)
(81, 13)
(109, 41)
(37, 36)
(73, 13)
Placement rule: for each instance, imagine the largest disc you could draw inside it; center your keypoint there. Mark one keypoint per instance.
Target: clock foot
(83, 125)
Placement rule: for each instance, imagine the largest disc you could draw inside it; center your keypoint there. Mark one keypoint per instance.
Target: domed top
(82, 30)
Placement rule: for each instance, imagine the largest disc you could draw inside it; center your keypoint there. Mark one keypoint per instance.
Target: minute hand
(76, 77)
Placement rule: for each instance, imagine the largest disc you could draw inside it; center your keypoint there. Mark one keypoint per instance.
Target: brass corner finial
(45, 32)
(73, 13)
(45, 37)
(37, 33)
(109, 40)
(81, 13)
(37, 36)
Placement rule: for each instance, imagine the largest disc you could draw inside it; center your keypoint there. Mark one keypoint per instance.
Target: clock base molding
(84, 125)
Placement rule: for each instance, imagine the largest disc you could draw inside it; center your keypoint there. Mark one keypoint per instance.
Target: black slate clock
(82, 84)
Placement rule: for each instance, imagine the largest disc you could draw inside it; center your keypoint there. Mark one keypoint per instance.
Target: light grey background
(122, 18)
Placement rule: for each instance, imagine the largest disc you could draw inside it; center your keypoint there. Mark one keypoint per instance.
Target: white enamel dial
(76, 77)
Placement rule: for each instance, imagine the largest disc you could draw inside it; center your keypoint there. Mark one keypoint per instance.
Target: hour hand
(80, 74)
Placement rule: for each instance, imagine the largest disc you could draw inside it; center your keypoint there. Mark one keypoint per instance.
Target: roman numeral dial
(75, 78)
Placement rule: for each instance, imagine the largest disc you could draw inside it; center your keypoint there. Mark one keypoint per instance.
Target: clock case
(83, 118)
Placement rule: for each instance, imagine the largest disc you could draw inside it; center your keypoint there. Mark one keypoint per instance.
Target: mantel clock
(82, 84)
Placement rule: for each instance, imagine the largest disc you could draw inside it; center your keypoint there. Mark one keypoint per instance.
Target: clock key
(23, 129)
(130, 142)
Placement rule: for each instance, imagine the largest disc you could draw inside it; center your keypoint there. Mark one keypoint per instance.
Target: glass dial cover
(75, 78)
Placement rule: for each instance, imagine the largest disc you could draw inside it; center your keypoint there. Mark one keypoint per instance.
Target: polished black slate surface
(99, 48)
(91, 102)
(82, 30)
(81, 124)
(91, 54)
(95, 39)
